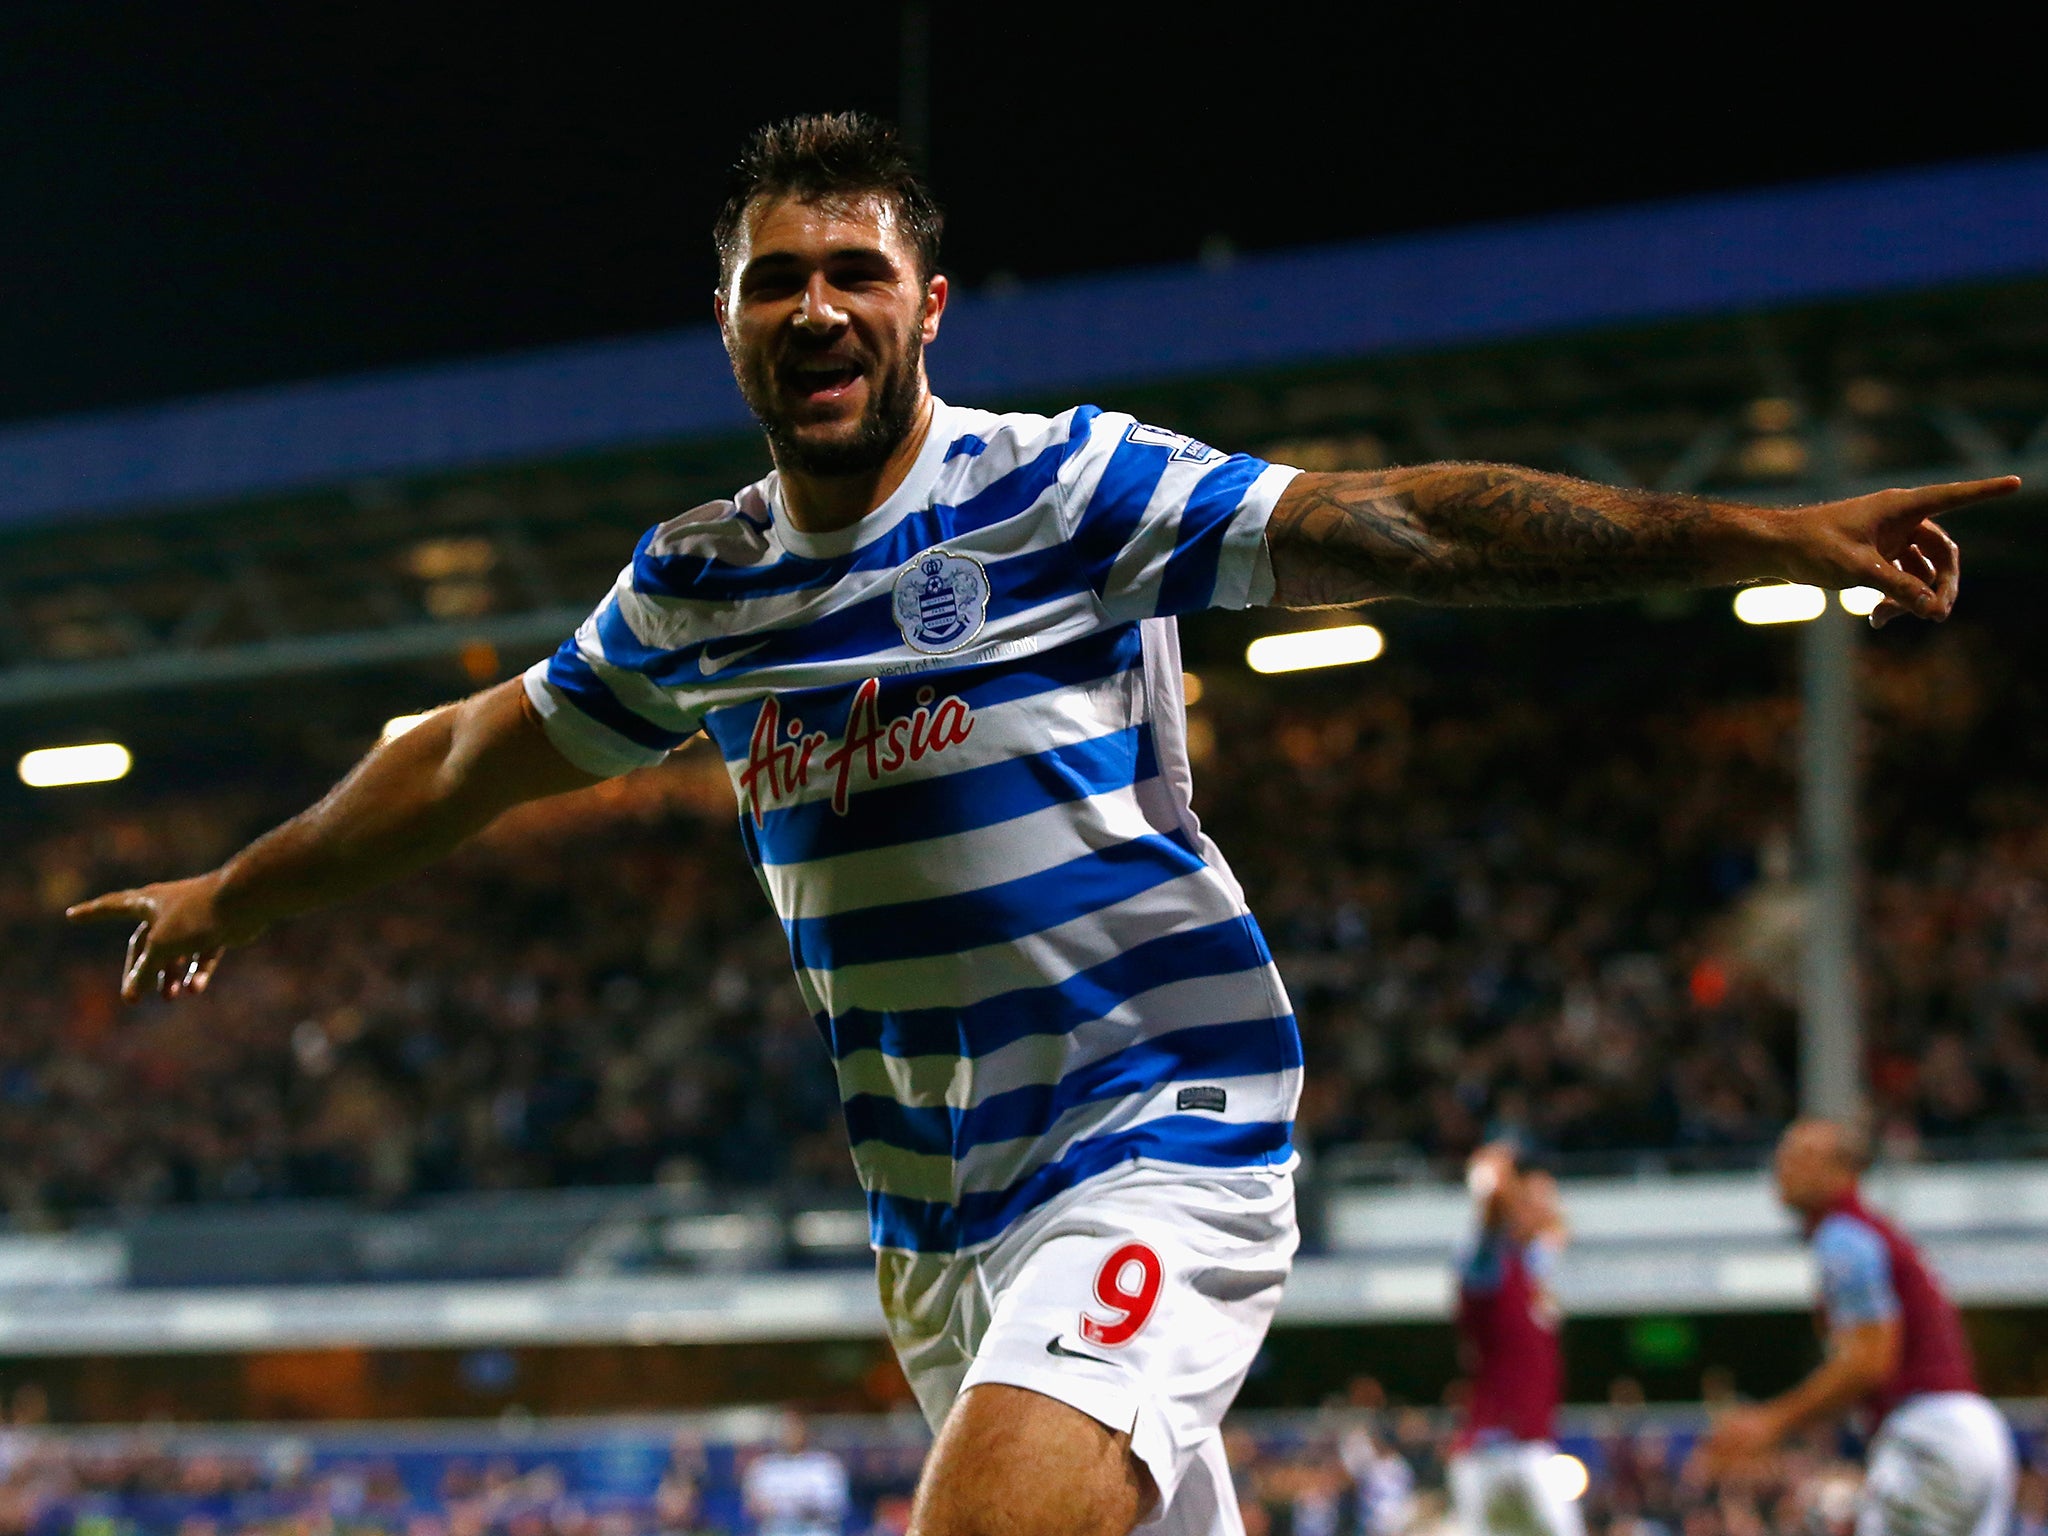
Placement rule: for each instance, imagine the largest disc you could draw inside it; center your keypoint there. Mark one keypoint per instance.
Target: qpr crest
(941, 602)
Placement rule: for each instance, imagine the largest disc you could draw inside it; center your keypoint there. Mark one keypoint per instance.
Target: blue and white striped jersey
(956, 733)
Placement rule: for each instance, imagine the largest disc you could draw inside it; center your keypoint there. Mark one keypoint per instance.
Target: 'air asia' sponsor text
(781, 757)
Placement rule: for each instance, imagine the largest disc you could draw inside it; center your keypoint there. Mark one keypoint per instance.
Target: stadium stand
(1538, 889)
(1343, 1470)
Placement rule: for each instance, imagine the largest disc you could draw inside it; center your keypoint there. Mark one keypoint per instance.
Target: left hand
(1889, 540)
(1738, 1436)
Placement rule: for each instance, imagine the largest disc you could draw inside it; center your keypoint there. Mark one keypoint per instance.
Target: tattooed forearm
(1488, 533)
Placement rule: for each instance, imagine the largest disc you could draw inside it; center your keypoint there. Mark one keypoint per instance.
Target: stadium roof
(1716, 255)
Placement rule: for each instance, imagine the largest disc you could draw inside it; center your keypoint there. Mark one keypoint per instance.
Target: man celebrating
(1508, 1321)
(936, 651)
(1942, 1462)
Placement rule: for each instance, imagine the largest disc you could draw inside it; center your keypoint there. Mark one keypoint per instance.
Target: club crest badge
(941, 602)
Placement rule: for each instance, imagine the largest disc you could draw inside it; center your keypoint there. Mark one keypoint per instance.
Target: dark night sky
(196, 196)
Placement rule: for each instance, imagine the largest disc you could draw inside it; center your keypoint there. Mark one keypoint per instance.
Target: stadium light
(1861, 601)
(1787, 604)
(95, 762)
(1314, 648)
(1567, 1476)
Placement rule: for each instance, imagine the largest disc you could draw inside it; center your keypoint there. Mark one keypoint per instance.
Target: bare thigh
(1012, 1462)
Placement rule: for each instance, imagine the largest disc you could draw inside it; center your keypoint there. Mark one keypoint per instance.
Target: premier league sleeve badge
(940, 602)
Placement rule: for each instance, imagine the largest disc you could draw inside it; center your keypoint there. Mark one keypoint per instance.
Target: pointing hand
(179, 935)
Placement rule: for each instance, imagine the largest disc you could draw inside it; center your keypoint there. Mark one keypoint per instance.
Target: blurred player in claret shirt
(1508, 1321)
(1941, 1460)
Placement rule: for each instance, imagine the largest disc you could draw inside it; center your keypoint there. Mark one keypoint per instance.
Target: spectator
(1383, 1481)
(797, 1489)
(678, 1498)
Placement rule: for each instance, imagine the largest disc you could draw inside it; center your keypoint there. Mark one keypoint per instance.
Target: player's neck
(1846, 1198)
(828, 503)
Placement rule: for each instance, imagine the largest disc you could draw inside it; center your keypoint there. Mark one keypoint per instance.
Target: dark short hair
(830, 154)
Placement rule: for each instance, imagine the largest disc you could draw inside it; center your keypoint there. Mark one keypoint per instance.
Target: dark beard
(888, 419)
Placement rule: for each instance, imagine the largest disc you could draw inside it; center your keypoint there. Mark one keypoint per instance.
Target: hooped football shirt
(957, 737)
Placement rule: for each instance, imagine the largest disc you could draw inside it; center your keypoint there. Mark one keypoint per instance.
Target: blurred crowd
(1308, 1474)
(588, 1483)
(1563, 909)
(1554, 902)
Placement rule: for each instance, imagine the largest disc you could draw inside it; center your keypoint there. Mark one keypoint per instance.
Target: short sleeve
(601, 698)
(1855, 1273)
(1478, 1264)
(1164, 524)
(1542, 1257)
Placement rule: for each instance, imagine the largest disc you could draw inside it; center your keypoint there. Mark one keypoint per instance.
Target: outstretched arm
(1492, 533)
(406, 804)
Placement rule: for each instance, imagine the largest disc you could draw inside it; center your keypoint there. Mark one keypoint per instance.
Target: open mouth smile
(820, 380)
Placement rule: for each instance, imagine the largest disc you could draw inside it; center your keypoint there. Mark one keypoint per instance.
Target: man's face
(826, 318)
(1805, 1168)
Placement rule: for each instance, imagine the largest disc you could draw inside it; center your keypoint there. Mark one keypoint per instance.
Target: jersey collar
(1848, 1203)
(906, 498)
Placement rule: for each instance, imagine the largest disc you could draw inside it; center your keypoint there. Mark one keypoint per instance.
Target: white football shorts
(1139, 1298)
(1508, 1490)
(1942, 1464)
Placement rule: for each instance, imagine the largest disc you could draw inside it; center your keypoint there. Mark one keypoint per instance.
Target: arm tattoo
(1488, 533)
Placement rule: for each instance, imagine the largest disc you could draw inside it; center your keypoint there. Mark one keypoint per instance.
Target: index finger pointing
(1934, 500)
(113, 904)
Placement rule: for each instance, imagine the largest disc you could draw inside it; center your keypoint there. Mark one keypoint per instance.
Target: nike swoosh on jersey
(707, 665)
(1053, 1346)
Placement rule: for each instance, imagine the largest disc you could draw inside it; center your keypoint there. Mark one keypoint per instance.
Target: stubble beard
(888, 418)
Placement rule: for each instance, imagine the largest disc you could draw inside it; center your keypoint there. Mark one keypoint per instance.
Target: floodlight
(1788, 604)
(92, 763)
(1566, 1475)
(1314, 648)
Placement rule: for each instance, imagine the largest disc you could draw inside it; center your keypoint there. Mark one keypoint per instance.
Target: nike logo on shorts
(1053, 1346)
